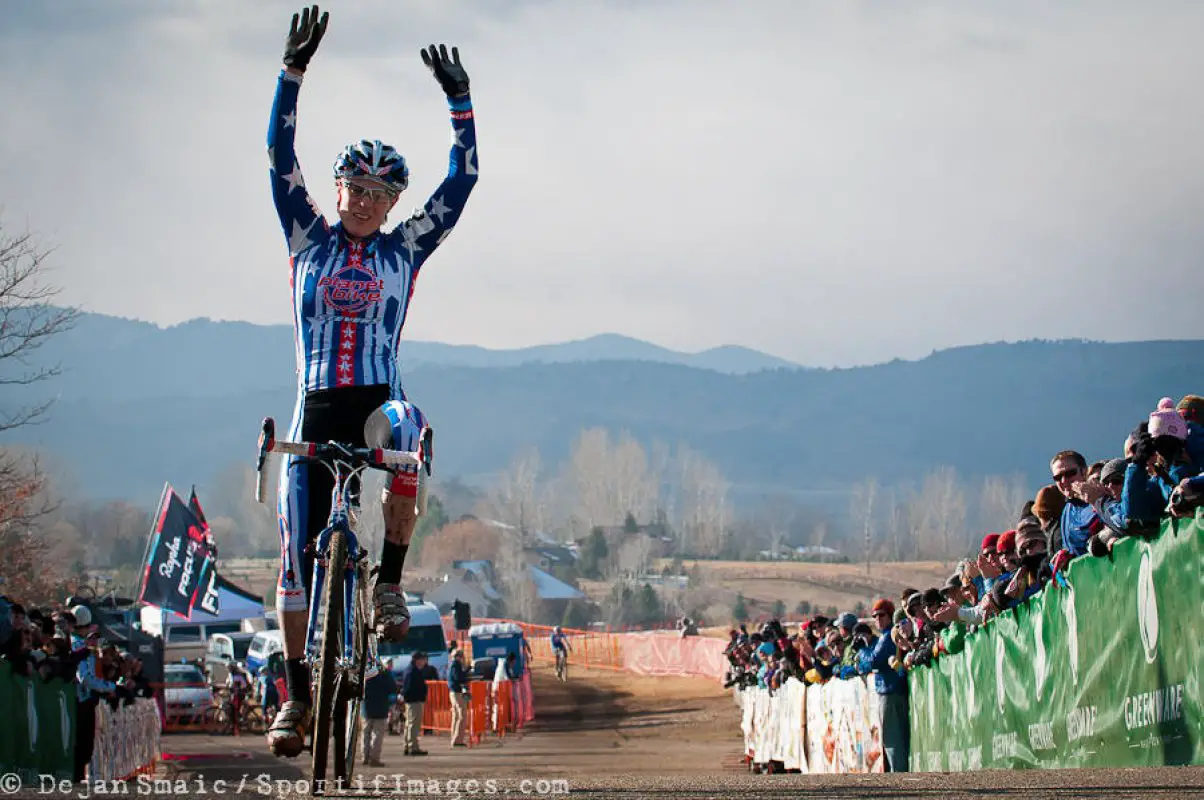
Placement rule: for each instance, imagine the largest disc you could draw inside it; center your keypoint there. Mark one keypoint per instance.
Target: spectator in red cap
(1006, 548)
(891, 685)
(987, 564)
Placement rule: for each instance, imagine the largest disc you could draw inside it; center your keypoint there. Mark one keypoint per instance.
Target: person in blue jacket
(891, 685)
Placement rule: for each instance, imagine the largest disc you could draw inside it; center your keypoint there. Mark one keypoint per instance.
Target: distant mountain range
(138, 404)
(114, 357)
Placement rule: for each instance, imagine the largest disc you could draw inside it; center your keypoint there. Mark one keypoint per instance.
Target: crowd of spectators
(1083, 512)
(64, 642)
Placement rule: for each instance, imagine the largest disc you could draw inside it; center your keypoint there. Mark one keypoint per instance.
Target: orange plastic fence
(588, 649)
(648, 652)
(506, 712)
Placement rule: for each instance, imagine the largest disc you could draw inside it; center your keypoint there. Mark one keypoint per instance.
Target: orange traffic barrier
(588, 649)
(644, 652)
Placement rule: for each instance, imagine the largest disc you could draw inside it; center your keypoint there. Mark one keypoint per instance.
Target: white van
(182, 639)
(426, 634)
(262, 646)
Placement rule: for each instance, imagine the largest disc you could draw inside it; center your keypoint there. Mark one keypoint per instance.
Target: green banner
(1104, 672)
(39, 726)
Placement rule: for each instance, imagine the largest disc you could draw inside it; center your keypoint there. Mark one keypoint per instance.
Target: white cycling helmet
(557, 629)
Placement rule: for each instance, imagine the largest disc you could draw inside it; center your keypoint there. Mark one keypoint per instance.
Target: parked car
(225, 648)
(186, 695)
(426, 633)
(263, 644)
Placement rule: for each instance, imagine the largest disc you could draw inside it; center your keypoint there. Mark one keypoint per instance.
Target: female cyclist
(351, 284)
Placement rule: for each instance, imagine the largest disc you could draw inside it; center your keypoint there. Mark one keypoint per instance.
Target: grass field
(824, 586)
(841, 586)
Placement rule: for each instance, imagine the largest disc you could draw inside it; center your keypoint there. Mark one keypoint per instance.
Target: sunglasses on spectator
(1067, 475)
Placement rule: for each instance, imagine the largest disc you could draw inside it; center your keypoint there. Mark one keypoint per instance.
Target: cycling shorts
(304, 498)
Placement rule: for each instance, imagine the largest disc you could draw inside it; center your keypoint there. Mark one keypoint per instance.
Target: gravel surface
(612, 736)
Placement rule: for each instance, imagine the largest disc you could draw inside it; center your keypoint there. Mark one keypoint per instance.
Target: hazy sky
(833, 182)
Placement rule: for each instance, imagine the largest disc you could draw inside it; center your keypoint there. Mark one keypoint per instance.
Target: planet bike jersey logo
(351, 289)
(1147, 607)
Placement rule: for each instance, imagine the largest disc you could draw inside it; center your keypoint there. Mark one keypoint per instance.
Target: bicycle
(339, 661)
(251, 718)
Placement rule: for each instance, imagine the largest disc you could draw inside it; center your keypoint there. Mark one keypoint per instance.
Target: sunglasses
(378, 196)
(1067, 475)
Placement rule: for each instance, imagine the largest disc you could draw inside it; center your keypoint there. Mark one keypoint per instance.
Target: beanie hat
(884, 605)
(1192, 405)
(900, 615)
(1166, 421)
(1006, 543)
(1049, 502)
(1113, 469)
(989, 542)
(1028, 529)
(846, 620)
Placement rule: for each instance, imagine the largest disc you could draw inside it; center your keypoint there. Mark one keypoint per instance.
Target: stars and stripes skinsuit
(350, 299)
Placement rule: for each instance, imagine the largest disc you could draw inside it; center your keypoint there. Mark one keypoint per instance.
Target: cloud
(834, 183)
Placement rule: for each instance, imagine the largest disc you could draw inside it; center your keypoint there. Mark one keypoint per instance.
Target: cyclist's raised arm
(427, 228)
(296, 209)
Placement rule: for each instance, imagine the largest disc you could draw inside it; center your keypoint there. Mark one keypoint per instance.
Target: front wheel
(332, 648)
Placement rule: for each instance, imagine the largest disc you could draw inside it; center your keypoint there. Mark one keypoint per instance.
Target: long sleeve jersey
(350, 297)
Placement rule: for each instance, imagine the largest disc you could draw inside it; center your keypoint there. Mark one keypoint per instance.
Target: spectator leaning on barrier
(413, 695)
(847, 622)
(1047, 507)
(89, 690)
(987, 563)
(1079, 520)
(1191, 408)
(890, 683)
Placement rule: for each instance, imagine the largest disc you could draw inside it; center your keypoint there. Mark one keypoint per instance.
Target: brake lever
(428, 448)
(267, 439)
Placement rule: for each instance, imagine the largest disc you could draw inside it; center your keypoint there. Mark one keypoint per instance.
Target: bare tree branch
(27, 321)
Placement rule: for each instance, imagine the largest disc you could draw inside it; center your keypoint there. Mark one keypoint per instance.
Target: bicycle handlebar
(374, 457)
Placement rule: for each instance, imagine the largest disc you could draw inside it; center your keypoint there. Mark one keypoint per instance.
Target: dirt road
(603, 735)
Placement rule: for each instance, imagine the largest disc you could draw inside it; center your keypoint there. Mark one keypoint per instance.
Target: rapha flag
(208, 600)
(178, 557)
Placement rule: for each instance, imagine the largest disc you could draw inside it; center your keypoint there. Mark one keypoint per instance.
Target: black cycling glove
(448, 72)
(303, 38)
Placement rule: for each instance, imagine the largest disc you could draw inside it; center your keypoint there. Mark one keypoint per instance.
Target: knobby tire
(332, 634)
(359, 640)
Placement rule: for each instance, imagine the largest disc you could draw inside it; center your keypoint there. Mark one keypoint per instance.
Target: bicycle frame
(338, 520)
